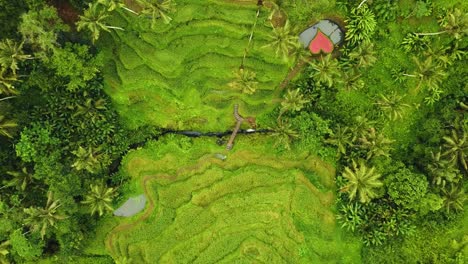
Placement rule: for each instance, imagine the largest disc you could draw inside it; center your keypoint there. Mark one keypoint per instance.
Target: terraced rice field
(250, 208)
(177, 76)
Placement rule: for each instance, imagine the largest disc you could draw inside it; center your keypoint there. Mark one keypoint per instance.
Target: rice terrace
(233, 131)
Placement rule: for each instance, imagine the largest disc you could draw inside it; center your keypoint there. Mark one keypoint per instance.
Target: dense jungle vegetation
(365, 159)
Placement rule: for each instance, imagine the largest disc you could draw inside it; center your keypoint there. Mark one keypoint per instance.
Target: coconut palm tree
(362, 182)
(284, 134)
(456, 148)
(20, 179)
(283, 40)
(376, 144)
(326, 70)
(454, 23)
(11, 53)
(392, 105)
(6, 127)
(415, 43)
(454, 198)
(112, 5)
(39, 219)
(361, 127)
(430, 75)
(93, 20)
(293, 101)
(157, 9)
(352, 80)
(341, 137)
(7, 82)
(87, 159)
(99, 198)
(441, 170)
(244, 80)
(364, 55)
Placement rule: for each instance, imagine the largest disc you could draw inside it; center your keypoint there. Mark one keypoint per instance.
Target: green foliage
(361, 24)
(35, 142)
(39, 29)
(407, 188)
(23, 247)
(75, 64)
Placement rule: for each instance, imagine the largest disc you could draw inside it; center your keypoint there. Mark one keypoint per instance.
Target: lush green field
(253, 206)
(177, 76)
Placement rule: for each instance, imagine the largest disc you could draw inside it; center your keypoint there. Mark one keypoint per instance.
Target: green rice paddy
(253, 207)
(177, 76)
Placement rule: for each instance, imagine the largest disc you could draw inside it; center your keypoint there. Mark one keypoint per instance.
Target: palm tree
(364, 55)
(456, 148)
(361, 127)
(87, 159)
(99, 198)
(93, 20)
(6, 127)
(392, 105)
(284, 135)
(293, 101)
(376, 144)
(442, 170)
(362, 182)
(454, 199)
(4, 252)
(245, 80)
(20, 179)
(454, 23)
(360, 25)
(415, 43)
(6, 82)
(430, 75)
(283, 40)
(112, 5)
(10, 54)
(341, 137)
(352, 80)
(157, 9)
(42, 218)
(325, 70)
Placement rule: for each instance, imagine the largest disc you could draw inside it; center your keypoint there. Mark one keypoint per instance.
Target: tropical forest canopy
(356, 156)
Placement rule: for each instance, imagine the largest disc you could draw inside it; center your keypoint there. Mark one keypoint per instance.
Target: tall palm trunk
(246, 50)
(431, 34)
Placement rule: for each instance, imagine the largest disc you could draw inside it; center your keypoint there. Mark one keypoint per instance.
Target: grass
(176, 76)
(252, 207)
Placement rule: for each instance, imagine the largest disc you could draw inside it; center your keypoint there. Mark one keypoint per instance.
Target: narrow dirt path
(295, 71)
